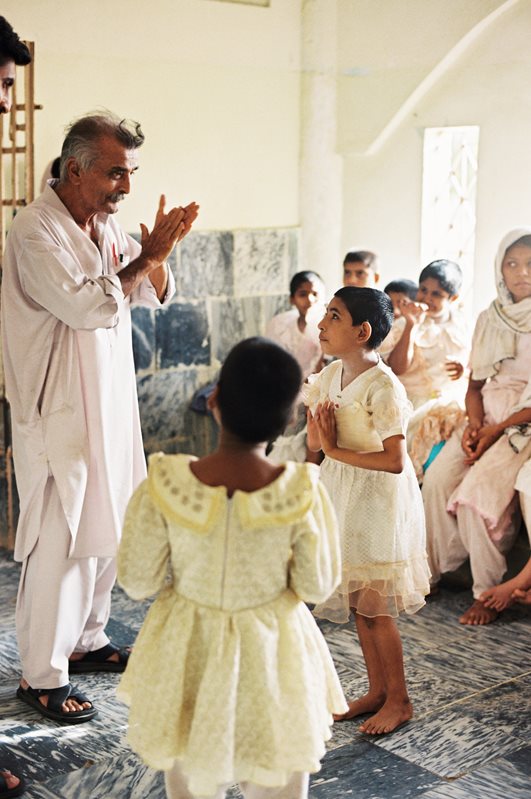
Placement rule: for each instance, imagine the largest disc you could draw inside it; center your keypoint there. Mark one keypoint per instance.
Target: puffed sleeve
(315, 389)
(144, 551)
(315, 568)
(393, 337)
(390, 409)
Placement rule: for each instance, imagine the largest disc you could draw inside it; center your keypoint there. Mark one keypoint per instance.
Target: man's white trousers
(63, 603)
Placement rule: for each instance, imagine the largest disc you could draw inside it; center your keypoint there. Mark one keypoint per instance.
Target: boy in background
(296, 330)
(360, 269)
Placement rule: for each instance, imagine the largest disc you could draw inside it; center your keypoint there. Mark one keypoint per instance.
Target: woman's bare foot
(500, 597)
(522, 596)
(11, 780)
(67, 707)
(388, 718)
(478, 614)
(368, 703)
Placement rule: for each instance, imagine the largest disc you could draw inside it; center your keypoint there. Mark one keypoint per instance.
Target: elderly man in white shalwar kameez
(70, 275)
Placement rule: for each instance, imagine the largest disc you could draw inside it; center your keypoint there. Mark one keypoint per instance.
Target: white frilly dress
(381, 517)
(230, 674)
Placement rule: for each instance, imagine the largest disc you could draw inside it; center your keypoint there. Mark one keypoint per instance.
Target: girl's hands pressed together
(312, 432)
(325, 420)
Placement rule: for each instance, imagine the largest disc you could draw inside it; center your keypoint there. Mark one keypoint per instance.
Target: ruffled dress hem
(378, 589)
(222, 674)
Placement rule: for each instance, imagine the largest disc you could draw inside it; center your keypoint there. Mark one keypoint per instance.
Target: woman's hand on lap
(469, 441)
(486, 437)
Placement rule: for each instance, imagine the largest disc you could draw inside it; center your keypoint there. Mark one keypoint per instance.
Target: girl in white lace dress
(230, 680)
(358, 413)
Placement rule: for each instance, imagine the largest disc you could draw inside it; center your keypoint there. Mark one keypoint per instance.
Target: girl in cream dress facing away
(230, 680)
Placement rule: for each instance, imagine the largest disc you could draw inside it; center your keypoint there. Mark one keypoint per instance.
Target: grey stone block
(182, 335)
(205, 265)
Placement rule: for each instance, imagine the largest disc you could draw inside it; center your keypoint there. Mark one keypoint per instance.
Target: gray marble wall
(229, 284)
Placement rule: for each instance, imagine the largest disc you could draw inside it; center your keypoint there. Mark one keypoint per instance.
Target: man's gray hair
(83, 136)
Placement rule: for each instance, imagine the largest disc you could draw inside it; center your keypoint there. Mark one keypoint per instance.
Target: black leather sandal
(56, 697)
(98, 660)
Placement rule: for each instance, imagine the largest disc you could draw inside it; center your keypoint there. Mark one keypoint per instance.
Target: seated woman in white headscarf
(469, 491)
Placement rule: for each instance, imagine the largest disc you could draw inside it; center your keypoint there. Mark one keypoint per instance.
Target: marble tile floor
(470, 738)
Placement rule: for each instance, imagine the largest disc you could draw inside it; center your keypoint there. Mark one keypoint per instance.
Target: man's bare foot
(114, 658)
(67, 707)
(478, 614)
(388, 718)
(368, 703)
(10, 780)
(521, 596)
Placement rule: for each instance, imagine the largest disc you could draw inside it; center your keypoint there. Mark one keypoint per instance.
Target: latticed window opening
(450, 167)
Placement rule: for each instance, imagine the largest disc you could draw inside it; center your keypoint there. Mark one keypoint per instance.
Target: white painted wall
(215, 86)
(487, 86)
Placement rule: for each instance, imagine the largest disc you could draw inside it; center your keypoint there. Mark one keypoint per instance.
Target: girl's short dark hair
(403, 286)
(447, 273)
(303, 277)
(258, 384)
(369, 305)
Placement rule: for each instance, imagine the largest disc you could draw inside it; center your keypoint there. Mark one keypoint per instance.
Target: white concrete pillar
(321, 187)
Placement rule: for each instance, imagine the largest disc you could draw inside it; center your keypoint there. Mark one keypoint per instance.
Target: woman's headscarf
(497, 331)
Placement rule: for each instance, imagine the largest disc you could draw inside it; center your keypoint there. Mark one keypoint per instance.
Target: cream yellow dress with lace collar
(230, 674)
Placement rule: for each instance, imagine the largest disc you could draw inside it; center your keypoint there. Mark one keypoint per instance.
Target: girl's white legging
(296, 788)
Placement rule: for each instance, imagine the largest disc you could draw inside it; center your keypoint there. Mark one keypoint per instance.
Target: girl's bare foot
(388, 718)
(524, 597)
(478, 614)
(368, 703)
(499, 597)
(68, 706)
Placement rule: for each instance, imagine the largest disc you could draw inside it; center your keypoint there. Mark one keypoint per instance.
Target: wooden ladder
(17, 189)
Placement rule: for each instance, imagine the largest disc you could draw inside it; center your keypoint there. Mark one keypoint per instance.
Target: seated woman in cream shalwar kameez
(230, 679)
(469, 491)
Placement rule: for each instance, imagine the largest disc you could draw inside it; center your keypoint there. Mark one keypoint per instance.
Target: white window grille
(450, 166)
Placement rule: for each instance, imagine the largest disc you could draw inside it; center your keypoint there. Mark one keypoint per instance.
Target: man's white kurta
(69, 371)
